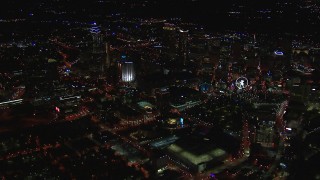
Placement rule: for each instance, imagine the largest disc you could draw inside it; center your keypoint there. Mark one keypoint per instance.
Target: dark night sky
(213, 14)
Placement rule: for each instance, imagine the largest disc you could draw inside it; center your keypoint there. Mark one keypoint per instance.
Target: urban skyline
(159, 89)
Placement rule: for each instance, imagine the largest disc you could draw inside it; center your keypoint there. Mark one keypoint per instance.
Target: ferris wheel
(242, 82)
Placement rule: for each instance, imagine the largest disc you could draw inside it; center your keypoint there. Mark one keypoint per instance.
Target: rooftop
(196, 159)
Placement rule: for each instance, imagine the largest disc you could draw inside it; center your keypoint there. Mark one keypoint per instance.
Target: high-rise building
(175, 44)
(127, 71)
(108, 55)
(265, 134)
(169, 42)
(170, 36)
(183, 50)
(97, 38)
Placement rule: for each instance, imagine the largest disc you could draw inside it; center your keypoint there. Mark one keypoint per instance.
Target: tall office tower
(108, 55)
(127, 71)
(236, 50)
(183, 50)
(169, 42)
(225, 52)
(265, 134)
(97, 38)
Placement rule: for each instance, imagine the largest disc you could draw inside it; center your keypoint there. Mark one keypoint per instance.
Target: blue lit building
(97, 38)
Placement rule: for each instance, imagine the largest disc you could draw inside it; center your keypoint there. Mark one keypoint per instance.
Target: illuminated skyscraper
(96, 38)
(169, 37)
(175, 43)
(169, 43)
(127, 72)
(183, 51)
